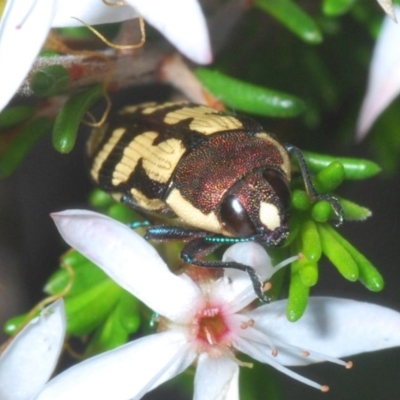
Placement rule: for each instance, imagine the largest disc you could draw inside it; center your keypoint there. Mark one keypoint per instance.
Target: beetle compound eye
(235, 218)
(280, 186)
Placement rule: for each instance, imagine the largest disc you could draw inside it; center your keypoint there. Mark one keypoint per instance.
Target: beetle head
(258, 205)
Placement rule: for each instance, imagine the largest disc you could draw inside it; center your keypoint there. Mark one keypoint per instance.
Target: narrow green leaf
(294, 229)
(121, 213)
(338, 254)
(70, 116)
(354, 168)
(248, 97)
(100, 199)
(12, 116)
(73, 258)
(353, 211)
(109, 335)
(298, 297)
(321, 211)
(334, 8)
(329, 178)
(288, 13)
(310, 241)
(369, 275)
(49, 81)
(86, 276)
(300, 200)
(28, 136)
(308, 272)
(13, 324)
(128, 312)
(89, 309)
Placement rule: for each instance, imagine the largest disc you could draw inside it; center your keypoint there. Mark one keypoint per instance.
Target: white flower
(25, 24)
(28, 362)
(384, 76)
(388, 7)
(205, 322)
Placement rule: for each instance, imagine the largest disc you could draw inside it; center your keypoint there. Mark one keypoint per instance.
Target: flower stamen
(267, 286)
(247, 324)
(19, 26)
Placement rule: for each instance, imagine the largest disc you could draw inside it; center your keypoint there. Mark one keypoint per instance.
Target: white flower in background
(205, 322)
(29, 360)
(387, 6)
(384, 76)
(25, 24)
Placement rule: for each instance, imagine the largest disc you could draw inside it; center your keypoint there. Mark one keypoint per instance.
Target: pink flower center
(211, 330)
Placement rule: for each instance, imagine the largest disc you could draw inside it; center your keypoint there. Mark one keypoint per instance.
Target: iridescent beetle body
(216, 178)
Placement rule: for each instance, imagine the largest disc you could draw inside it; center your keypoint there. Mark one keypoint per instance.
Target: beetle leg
(165, 232)
(310, 189)
(201, 247)
(139, 224)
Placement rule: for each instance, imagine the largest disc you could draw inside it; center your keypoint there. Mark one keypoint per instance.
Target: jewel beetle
(211, 177)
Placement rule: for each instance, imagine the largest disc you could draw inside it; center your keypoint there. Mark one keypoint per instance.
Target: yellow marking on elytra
(286, 166)
(269, 216)
(205, 120)
(105, 151)
(192, 215)
(146, 203)
(158, 161)
(152, 107)
(130, 109)
(96, 138)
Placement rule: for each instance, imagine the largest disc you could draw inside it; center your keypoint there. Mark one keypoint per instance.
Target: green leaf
(13, 324)
(354, 168)
(369, 275)
(329, 178)
(298, 296)
(310, 241)
(70, 116)
(49, 81)
(121, 213)
(89, 309)
(337, 254)
(110, 335)
(12, 116)
(26, 138)
(86, 276)
(128, 312)
(321, 211)
(308, 272)
(250, 98)
(300, 200)
(353, 211)
(73, 258)
(334, 8)
(288, 13)
(100, 199)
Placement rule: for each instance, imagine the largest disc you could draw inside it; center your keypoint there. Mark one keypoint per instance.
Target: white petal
(387, 6)
(237, 289)
(331, 326)
(216, 379)
(181, 22)
(28, 362)
(91, 12)
(384, 76)
(131, 261)
(253, 254)
(23, 30)
(127, 372)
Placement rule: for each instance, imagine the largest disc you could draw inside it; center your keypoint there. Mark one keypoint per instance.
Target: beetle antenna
(310, 189)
